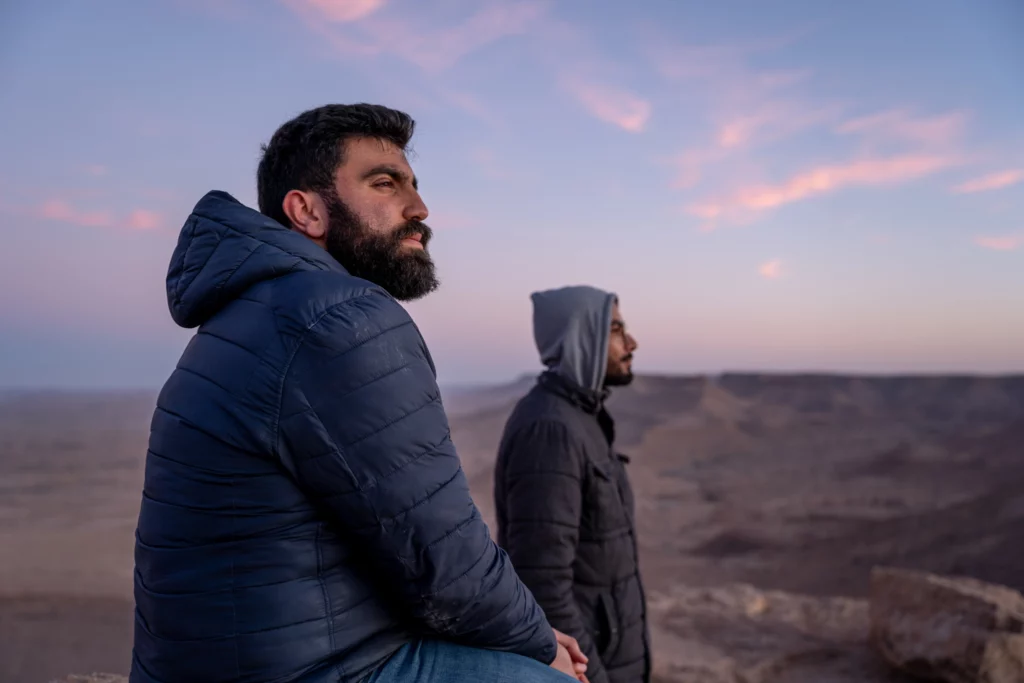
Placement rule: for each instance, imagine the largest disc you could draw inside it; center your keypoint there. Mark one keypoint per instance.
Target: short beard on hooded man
(380, 257)
(618, 378)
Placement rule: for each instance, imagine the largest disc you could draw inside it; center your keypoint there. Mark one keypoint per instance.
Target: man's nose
(631, 343)
(416, 210)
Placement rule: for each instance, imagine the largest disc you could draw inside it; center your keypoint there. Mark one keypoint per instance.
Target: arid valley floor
(763, 503)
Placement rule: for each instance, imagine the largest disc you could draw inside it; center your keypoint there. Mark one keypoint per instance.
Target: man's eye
(384, 183)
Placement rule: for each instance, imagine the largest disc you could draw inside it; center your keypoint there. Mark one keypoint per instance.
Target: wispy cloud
(747, 106)
(611, 105)
(1001, 242)
(901, 125)
(358, 28)
(690, 165)
(735, 135)
(141, 219)
(822, 180)
(771, 120)
(341, 11)
(718, 64)
(724, 71)
(61, 210)
(771, 270)
(993, 181)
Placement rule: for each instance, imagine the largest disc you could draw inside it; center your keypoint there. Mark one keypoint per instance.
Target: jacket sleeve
(543, 474)
(363, 431)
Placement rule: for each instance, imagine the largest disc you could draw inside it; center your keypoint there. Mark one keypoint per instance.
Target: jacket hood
(571, 327)
(224, 249)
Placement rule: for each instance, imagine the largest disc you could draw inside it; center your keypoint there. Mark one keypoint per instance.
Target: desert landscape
(764, 502)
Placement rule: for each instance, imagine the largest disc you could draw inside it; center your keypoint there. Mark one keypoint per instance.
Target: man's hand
(563, 662)
(578, 660)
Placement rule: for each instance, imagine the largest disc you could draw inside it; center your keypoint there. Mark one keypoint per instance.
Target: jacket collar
(588, 400)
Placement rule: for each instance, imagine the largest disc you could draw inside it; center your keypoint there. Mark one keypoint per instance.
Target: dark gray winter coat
(563, 501)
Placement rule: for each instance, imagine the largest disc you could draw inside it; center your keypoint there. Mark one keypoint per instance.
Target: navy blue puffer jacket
(304, 513)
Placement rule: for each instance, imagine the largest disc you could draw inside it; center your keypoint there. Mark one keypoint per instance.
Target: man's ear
(307, 214)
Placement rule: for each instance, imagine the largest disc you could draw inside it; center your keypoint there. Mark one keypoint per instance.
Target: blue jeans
(436, 661)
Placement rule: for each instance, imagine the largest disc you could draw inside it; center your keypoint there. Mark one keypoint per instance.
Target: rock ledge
(949, 629)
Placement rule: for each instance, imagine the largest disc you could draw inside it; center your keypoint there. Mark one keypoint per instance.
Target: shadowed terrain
(763, 502)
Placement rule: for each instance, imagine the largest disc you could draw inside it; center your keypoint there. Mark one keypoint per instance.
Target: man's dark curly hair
(305, 152)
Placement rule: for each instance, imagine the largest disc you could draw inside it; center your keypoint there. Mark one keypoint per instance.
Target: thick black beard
(618, 380)
(380, 258)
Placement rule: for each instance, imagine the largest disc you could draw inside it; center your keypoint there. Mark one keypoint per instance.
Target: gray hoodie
(571, 326)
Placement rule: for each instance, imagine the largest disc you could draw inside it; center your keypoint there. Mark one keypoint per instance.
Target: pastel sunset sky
(788, 185)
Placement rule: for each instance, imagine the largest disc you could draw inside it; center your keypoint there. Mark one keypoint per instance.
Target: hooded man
(563, 501)
(305, 517)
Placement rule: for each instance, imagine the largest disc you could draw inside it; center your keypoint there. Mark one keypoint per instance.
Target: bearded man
(563, 499)
(305, 517)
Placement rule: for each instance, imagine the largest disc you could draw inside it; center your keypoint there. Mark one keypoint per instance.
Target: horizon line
(6, 390)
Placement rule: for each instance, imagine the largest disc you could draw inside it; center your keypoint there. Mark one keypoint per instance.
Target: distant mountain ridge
(927, 397)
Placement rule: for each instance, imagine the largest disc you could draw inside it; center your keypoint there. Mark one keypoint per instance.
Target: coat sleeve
(363, 431)
(543, 474)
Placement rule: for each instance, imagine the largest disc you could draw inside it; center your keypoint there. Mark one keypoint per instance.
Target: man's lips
(415, 240)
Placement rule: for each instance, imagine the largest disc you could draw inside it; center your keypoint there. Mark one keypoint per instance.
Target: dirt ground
(763, 502)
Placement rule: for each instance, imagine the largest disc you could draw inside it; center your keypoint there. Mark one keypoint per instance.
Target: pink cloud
(96, 169)
(724, 68)
(706, 211)
(772, 270)
(828, 178)
(1001, 242)
(691, 165)
(431, 48)
(758, 121)
(899, 124)
(612, 105)
(141, 219)
(821, 180)
(993, 181)
(771, 120)
(341, 11)
(59, 210)
(487, 25)
(736, 132)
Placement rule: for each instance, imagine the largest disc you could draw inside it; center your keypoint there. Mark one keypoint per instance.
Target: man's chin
(619, 379)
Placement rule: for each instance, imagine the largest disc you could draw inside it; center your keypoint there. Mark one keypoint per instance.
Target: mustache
(410, 228)
(628, 356)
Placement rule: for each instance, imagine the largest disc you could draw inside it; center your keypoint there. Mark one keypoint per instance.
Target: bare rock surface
(950, 629)
(739, 634)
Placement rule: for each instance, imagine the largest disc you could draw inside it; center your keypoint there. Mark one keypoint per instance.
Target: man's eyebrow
(396, 174)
